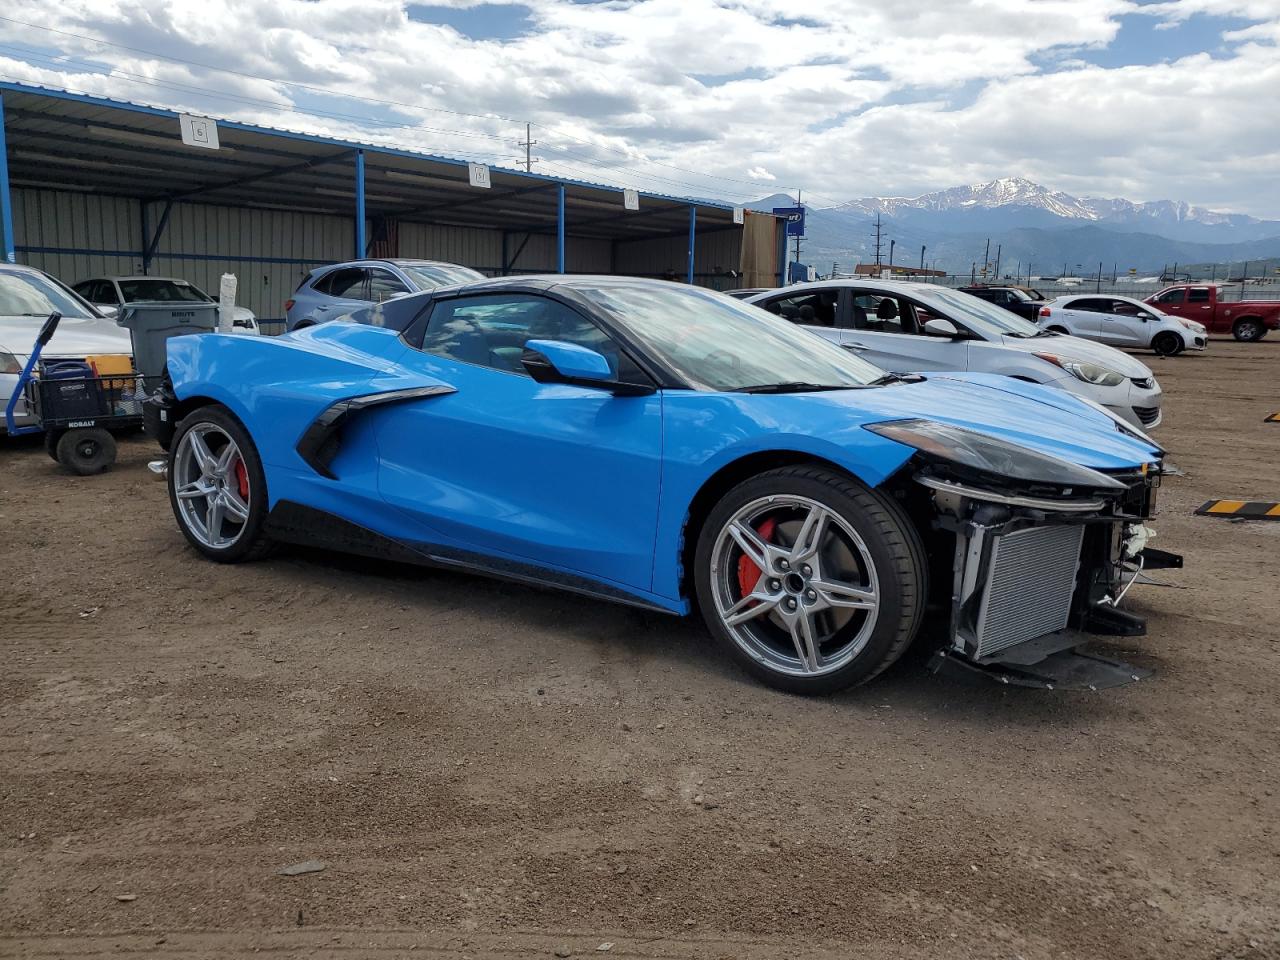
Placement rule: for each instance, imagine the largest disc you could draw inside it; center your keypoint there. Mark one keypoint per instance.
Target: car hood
(1077, 348)
(75, 337)
(1049, 421)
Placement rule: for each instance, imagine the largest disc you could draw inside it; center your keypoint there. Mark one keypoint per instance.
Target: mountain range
(1052, 231)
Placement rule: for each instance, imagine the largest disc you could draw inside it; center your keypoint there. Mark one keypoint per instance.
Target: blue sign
(794, 217)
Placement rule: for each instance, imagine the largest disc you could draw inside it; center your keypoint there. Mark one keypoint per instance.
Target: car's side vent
(321, 441)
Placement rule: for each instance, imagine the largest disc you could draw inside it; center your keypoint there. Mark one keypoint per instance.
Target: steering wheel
(734, 361)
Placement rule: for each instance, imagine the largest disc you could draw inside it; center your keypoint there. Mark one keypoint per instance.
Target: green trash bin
(152, 324)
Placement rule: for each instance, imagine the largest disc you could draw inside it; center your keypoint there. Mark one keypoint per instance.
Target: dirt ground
(487, 769)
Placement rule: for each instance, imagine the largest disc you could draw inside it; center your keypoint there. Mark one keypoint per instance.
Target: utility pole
(999, 247)
(986, 258)
(892, 244)
(973, 270)
(798, 204)
(877, 244)
(922, 250)
(528, 143)
(1098, 288)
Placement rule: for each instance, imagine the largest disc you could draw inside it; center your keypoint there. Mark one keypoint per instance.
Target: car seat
(859, 318)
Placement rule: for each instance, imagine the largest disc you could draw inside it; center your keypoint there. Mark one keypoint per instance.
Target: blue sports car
(675, 449)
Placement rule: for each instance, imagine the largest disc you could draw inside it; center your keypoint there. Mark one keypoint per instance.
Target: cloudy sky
(732, 99)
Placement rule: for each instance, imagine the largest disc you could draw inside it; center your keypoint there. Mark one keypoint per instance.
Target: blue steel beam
(7, 242)
(560, 230)
(360, 242)
(693, 229)
(149, 254)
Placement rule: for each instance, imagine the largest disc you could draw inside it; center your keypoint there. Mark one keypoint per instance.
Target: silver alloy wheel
(207, 486)
(815, 604)
(1248, 330)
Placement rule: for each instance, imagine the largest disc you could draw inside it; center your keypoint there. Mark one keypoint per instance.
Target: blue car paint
(571, 479)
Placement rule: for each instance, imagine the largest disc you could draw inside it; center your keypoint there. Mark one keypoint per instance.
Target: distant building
(897, 270)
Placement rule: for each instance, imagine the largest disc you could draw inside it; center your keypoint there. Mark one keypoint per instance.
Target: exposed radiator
(1032, 579)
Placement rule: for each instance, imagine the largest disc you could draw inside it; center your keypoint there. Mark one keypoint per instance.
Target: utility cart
(74, 408)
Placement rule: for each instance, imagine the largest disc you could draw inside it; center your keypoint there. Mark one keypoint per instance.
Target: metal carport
(93, 186)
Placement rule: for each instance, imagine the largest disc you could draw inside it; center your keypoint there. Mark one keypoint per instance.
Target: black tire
(86, 450)
(894, 546)
(1167, 344)
(252, 543)
(51, 438)
(1248, 329)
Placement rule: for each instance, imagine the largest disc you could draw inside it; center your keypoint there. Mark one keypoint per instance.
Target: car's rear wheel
(217, 486)
(1248, 329)
(1062, 330)
(1167, 344)
(811, 581)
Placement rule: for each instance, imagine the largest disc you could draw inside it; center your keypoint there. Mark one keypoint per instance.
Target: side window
(1172, 297)
(1198, 295)
(877, 314)
(1123, 308)
(383, 284)
(816, 309)
(346, 284)
(1091, 305)
(491, 331)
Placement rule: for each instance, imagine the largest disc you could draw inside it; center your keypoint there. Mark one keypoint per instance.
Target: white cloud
(851, 98)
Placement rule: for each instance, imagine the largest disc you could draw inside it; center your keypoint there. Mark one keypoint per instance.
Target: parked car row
(911, 327)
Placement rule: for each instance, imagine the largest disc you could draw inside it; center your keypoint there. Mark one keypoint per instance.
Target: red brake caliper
(748, 573)
(242, 480)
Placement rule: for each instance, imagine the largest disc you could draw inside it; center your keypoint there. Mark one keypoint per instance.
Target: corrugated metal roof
(71, 141)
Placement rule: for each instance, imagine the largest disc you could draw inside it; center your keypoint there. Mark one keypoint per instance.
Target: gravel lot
(488, 769)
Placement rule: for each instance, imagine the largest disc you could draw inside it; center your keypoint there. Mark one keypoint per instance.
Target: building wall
(715, 252)
(75, 236)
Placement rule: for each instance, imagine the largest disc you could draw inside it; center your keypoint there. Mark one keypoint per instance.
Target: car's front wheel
(1167, 344)
(811, 581)
(217, 486)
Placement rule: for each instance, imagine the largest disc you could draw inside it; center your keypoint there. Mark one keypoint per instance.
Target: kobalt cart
(75, 409)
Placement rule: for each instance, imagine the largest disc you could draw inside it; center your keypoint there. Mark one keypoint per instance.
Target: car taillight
(288, 304)
(1045, 312)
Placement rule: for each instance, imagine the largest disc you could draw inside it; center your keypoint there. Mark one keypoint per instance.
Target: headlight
(1191, 325)
(981, 452)
(1083, 370)
(9, 363)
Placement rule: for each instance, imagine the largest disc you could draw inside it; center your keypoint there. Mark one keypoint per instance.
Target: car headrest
(807, 314)
(887, 309)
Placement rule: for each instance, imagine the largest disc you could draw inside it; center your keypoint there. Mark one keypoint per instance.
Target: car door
(342, 291)
(1126, 324)
(1084, 316)
(1172, 301)
(552, 475)
(1199, 305)
(817, 310)
(888, 330)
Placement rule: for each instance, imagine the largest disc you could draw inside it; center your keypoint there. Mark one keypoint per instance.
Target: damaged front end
(1044, 553)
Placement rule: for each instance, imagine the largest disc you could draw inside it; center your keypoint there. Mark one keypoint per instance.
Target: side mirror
(937, 327)
(556, 361)
(108, 311)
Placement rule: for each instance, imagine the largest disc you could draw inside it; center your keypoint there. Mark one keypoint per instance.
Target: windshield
(33, 295)
(429, 275)
(718, 343)
(149, 290)
(976, 314)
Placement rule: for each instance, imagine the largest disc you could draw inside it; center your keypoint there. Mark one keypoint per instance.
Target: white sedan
(1122, 322)
(27, 297)
(908, 327)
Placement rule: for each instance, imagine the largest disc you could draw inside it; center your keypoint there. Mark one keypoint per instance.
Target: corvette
(674, 449)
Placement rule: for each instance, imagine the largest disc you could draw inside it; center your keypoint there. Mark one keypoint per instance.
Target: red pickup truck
(1243, 319)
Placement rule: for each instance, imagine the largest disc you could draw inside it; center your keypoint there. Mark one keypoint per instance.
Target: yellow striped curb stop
(1274, 418)
(1245, 509)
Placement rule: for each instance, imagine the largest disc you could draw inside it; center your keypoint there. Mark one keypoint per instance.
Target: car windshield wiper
(794, 386)
(896, 378)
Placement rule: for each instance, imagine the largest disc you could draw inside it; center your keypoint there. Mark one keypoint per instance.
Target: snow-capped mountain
(1031, 223)
(1005, 192)
(1024, 199)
